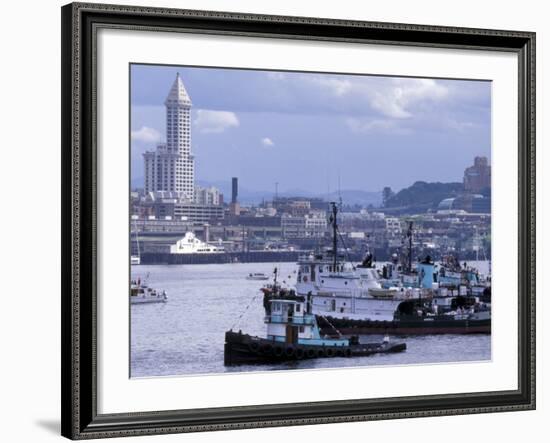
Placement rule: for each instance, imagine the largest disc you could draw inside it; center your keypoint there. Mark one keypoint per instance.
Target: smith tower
(171, 167)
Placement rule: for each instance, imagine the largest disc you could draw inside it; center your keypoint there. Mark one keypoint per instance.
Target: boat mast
(409, 234)
(137, 238)
(334, 234)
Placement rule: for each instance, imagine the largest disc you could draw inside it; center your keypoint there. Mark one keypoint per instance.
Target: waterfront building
(316, 224)
(481, 205)
(172, 205)
(474, 203)
(208, 196)
(171, 166)
(393, 226)
(198, 213)
(298, 206)
(312, 225)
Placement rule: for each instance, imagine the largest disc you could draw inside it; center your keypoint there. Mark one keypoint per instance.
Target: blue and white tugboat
(293, 334)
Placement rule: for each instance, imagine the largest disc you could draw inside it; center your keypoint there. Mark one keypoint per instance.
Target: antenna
(339, 192)
(328, 185)
(410, 236)
(276, 190)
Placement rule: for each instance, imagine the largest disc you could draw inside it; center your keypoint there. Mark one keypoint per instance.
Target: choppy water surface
(186, 335)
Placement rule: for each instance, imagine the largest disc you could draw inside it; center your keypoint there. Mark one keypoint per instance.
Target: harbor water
(185, 336)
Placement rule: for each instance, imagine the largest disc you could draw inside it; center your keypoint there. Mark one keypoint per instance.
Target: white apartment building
(393, 226)
(313, 224)
(171, 166)
(207, 196)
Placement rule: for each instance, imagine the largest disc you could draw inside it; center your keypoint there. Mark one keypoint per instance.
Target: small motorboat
(257, 276)
(141, 293)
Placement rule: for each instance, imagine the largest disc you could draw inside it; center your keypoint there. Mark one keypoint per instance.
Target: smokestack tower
(234, 208)
(234, 189)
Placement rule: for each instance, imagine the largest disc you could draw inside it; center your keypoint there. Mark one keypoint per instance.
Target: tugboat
(454, 300)
(293, 334)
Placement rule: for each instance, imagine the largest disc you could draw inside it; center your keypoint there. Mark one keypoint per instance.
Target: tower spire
(178, 94)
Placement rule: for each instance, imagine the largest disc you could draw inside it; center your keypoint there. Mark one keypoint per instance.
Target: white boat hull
(138, 299)
(356, 308)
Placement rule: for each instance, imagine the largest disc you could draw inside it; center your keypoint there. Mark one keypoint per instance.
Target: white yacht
(190, 244)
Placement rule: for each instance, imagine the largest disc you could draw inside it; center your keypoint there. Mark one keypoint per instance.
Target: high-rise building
(171, 166)
(478, 176)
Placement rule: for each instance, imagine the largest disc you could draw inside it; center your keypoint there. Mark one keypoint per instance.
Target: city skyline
(287, 126)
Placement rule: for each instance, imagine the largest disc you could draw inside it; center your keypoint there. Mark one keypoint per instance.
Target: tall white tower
(172, 167)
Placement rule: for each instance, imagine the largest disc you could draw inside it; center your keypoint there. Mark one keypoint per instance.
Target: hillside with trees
(421, 196)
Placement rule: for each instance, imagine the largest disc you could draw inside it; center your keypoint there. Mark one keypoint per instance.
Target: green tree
(387, 194)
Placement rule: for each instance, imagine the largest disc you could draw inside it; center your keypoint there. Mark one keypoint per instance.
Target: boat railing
(292, 320)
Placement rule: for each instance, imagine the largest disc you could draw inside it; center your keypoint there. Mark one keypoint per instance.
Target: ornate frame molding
(80, 22)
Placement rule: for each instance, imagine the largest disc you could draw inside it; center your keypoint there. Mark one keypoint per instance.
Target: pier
(158, 258)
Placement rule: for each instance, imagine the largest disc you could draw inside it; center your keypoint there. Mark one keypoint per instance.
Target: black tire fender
(267, 349)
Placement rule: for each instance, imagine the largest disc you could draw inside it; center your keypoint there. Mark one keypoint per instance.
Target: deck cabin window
(297, 308)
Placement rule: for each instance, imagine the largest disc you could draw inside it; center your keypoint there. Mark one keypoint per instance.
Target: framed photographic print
(273, 221)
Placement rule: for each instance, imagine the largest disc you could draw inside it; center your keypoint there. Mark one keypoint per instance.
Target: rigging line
(344, 243)
(244, 311)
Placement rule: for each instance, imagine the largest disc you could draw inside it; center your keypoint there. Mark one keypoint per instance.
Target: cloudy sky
(304, 130)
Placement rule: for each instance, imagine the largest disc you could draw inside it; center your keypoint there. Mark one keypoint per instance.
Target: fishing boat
(257, 276)
(293, 334)
(340, 288)
(141, 293)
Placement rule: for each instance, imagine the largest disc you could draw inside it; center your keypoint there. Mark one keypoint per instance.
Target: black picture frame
(80, 22)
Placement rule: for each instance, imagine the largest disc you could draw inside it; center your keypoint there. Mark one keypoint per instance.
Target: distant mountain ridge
(248, 196)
